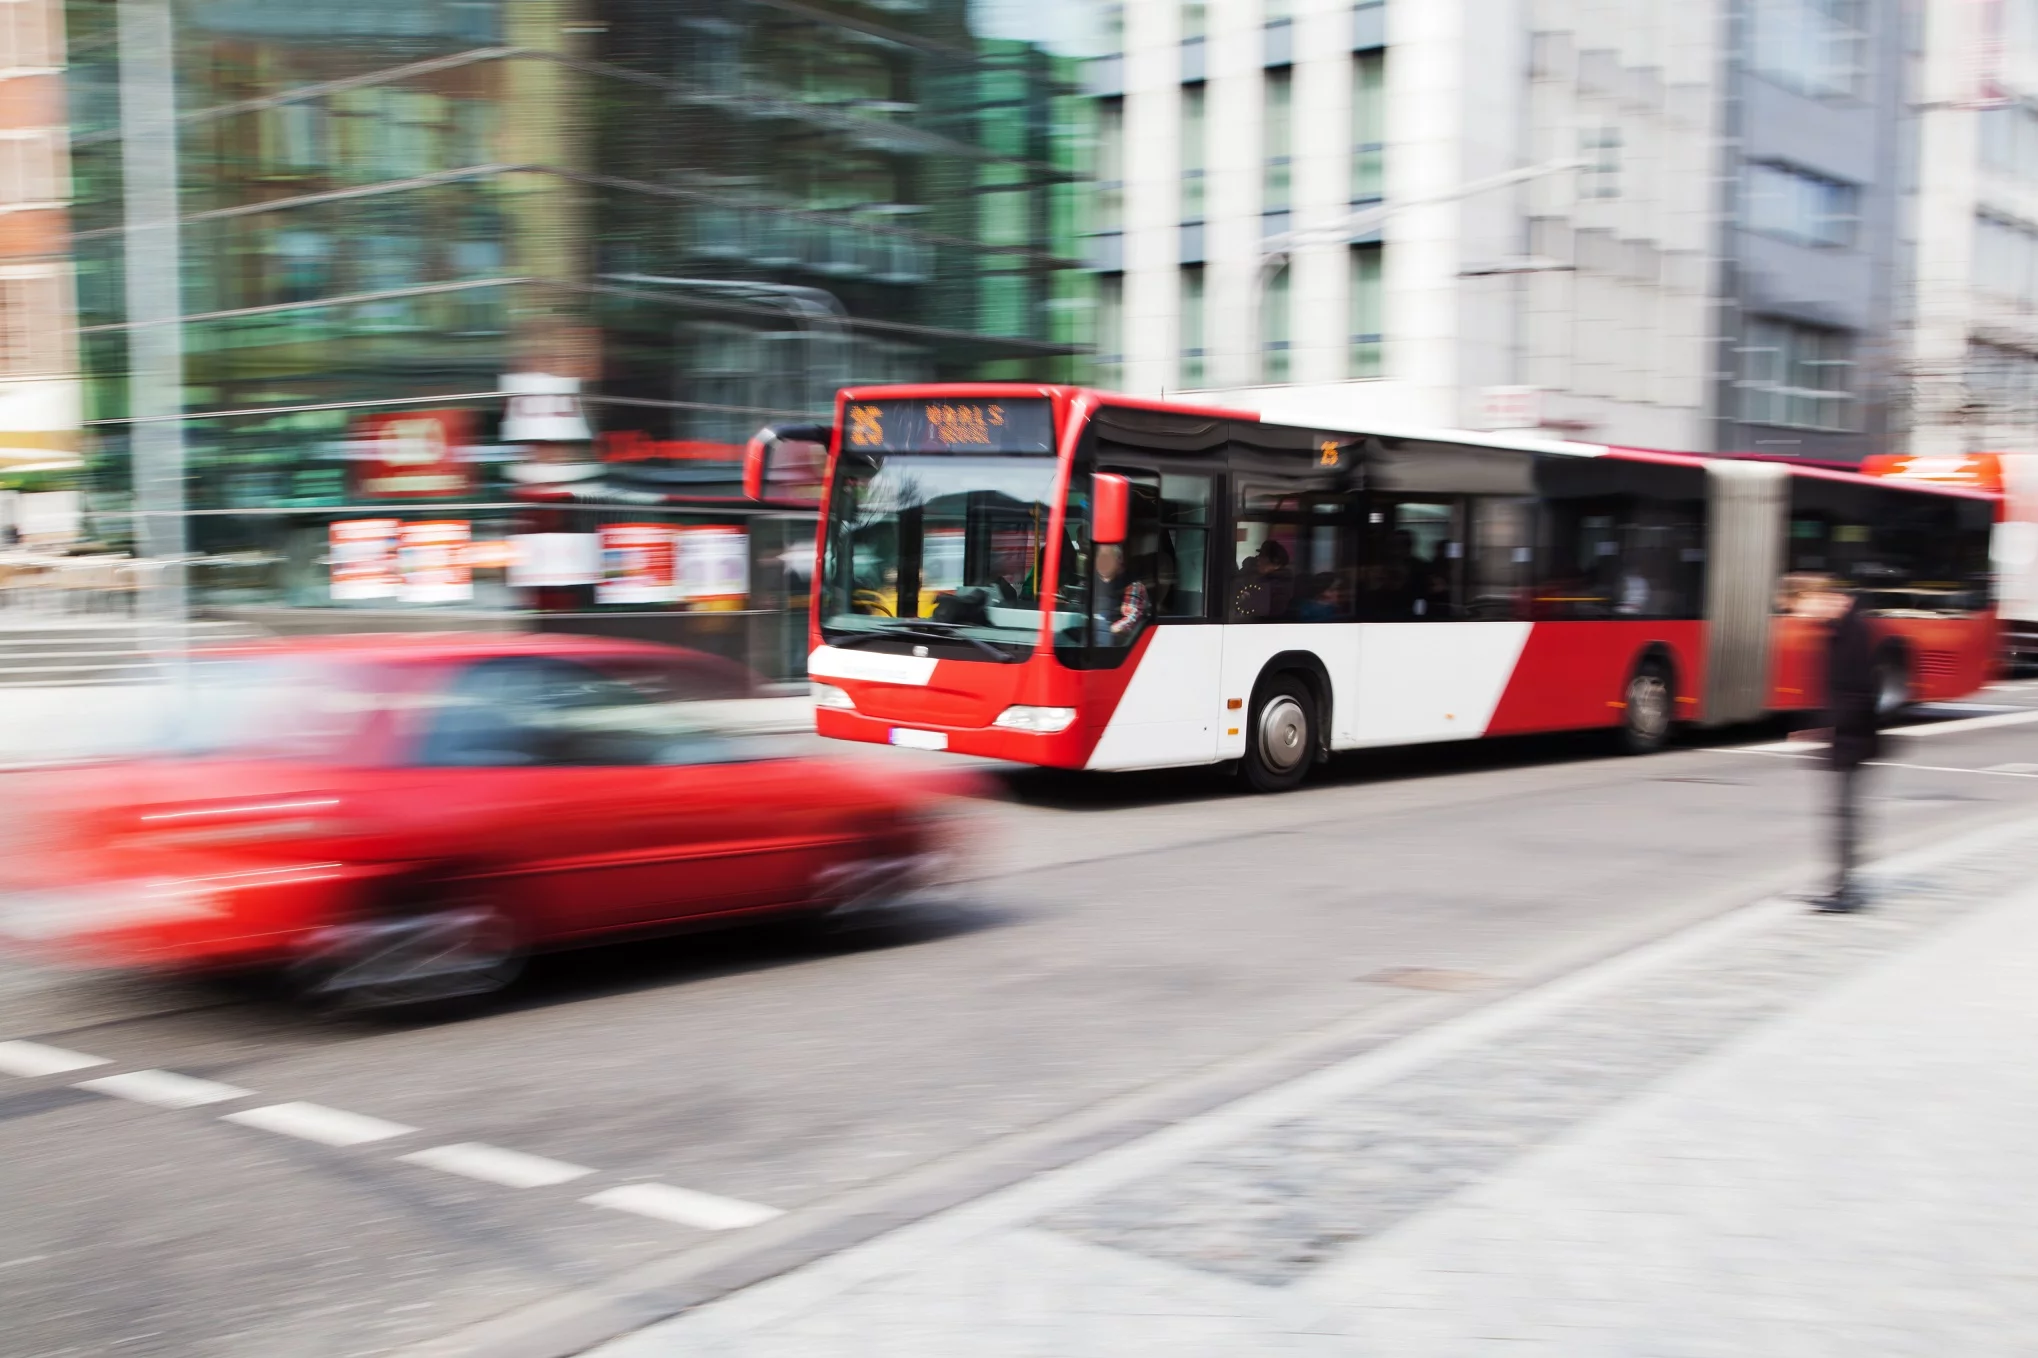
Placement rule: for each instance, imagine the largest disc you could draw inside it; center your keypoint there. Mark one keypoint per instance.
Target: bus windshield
(938, 547)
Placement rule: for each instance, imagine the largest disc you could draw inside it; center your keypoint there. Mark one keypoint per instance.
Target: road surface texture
(643, 1129)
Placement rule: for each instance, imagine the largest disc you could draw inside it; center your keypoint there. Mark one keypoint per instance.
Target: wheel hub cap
(1284, 734)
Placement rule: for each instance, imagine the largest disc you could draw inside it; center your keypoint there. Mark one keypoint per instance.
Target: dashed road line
(30, 1060)
(164, 1089)
(316, 1122)
(683, 1206)
(338, 1127)
(492, 1164)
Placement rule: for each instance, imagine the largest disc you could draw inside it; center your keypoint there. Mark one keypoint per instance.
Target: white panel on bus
(1170, 710)
(1433, 680)
(1249, 646)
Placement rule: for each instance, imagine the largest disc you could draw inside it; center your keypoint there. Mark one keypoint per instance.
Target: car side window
(535, 711)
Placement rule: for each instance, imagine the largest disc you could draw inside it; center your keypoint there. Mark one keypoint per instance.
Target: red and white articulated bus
(1080, 579)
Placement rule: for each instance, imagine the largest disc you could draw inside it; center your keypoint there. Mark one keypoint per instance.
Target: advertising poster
(714, 565)
(638, 565)
(363, 557)
(555, 560)
(431, 561)
(411, 455)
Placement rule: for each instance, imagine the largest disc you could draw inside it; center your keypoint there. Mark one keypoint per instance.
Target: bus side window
(1295, 554)
(1415, 560)
(1503, 559)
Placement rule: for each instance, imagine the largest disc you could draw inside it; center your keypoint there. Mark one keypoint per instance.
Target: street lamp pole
(155, 329)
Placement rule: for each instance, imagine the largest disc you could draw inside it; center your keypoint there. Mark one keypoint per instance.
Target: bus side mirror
(1110, 508)
(770, 465)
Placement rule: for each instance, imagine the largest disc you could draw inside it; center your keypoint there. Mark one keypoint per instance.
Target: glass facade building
(681, 218)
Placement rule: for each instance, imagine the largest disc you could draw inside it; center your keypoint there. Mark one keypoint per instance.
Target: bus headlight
(827, 695)
(1043, 721)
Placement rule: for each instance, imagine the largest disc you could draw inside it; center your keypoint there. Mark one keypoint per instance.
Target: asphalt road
(1134, 949)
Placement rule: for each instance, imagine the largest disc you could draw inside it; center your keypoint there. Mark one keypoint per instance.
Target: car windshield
(927, 546)
(547, 711)
(266, 708)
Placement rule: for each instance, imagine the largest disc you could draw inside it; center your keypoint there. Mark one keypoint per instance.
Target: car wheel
(1281, 741)
(1646, 709)
(459, 951)
(1892, 685)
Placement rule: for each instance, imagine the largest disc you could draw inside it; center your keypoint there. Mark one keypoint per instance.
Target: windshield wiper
(922, 632)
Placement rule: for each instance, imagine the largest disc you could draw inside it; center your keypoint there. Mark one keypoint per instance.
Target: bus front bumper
(1068, 749)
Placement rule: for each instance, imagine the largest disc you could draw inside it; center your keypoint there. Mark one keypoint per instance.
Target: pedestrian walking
(1853, 692)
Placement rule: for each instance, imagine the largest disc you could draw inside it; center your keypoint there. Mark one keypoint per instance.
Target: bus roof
(1881, 468)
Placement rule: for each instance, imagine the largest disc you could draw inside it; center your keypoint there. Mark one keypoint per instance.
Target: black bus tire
(1648, 708)
(1280, 739)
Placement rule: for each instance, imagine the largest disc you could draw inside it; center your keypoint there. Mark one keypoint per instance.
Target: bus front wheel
(1281, 743)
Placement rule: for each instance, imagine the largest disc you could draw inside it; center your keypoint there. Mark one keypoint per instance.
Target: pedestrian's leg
(1847, 814)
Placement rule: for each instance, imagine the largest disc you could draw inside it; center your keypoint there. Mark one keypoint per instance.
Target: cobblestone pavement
(1788, 1133)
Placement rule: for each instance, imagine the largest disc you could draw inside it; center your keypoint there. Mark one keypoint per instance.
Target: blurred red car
(392, 819)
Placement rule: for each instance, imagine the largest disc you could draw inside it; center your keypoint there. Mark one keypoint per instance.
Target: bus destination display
(950, 426)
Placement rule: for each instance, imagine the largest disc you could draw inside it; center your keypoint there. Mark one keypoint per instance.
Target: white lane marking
(1947, 728)
(1972, 707)
(164, 1089)
(30, 1059)
(683, 1206)
(1940, 768)
(316, 1122)
(1999, 771)
(2020, 717)
(492, 1164)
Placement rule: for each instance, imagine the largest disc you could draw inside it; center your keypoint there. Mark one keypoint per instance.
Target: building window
(2009, 140)
(1369, 306)
(1110, 193)
(1195, 19)
(1110, 329)
(1194, 152)
(2006, 260)
(1193, 369)
(33, 326)
(1796, 376)
(1277, 135)
(1369, 127)
(26, 37)
(2002, 384)
(30, 168)
(1599, 176)
(1800, 206)
(1815, 47)
(1274, 329)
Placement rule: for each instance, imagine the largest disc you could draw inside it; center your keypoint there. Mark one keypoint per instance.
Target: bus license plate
(919, 740)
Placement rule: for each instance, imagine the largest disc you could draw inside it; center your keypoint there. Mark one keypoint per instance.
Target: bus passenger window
(1414, 561)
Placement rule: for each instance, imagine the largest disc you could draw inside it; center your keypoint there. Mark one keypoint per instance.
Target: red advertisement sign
(363, 557)
(638, 564)
(432, 562)
(412, 455)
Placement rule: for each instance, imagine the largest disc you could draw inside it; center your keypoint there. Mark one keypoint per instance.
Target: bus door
(1150, 612)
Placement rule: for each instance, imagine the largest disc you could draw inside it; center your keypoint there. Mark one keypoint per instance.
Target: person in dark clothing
(1852, 694)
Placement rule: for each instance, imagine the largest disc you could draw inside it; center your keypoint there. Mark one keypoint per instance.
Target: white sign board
(543, 409)
(552, 560)
(1510, 408)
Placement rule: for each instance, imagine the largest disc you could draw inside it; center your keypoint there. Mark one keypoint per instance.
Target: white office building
(1971, 345)
(1664, 225)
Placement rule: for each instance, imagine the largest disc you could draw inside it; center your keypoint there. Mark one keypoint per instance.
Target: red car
(393, 819)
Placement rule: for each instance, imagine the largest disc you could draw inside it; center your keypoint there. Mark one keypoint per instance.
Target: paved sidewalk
(1778, 1133)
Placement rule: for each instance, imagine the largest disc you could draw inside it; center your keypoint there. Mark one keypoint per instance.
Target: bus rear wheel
(1281, 742)
(1646, 709)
